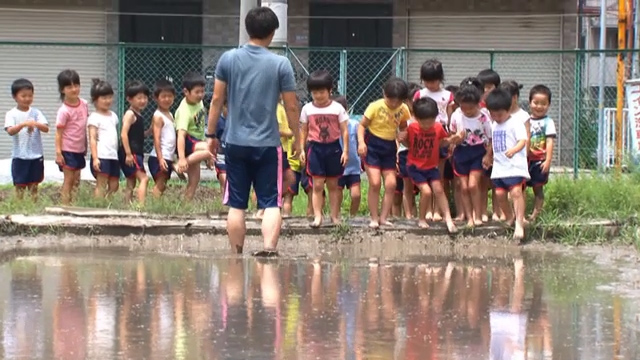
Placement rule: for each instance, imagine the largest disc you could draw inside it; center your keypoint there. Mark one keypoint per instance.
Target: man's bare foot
(429, 216)
(373, 224)
(518, 234)
(422, 224)
(316, 223)
(451, 227)
(437, 217)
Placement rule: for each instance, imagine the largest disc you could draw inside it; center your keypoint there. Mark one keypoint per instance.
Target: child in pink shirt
(71, 132)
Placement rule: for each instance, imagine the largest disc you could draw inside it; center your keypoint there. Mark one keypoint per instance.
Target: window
(610, 42)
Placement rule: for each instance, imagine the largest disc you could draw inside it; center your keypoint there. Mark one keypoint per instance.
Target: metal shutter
(42, 63)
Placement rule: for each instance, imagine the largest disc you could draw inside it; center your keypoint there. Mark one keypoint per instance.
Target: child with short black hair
(190, 119)
(25, 124)
(71, 133)
(377, 136)
(473, 135)
(425, 136)
(164, 137)
(405, 199)
(324, 123)
(490, 80)
(351, 176)
(509, 153)
(103, 139)
(541, 142)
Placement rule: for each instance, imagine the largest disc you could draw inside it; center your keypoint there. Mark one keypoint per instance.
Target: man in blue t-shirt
(252, 78)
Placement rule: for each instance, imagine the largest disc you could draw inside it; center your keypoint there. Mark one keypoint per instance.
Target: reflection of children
(25, 124)
(424, 140)
(350, 178)
(377, 136)
(510, 166)
(543, 134)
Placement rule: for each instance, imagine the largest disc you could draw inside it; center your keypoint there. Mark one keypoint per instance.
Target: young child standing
(432, 76)
(324, 123)
(472, 129)
(543, 134)
(509, 152)
(164, 137)
(383, 118)
(351, 176)
(131, 151)
(190, 122)
(103, 140)
(490, 80)
(71, 133)
(405, 198)
(25, 124)
(424, 138)
(286, 139)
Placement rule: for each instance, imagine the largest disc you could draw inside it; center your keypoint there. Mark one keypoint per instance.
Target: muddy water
(108, 305)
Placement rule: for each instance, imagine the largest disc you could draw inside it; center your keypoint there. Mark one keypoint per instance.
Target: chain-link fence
(585, 130)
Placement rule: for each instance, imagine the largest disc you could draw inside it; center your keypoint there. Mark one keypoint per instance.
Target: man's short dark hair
(425, 108)
(19, 85)
(261, 22)
(395, 88)
(319, 80)
(498, 99)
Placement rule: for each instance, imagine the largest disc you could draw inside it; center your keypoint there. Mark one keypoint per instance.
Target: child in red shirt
(424, 139)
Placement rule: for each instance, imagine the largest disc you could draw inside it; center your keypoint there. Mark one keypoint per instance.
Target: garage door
(483, 33)
(42, 63)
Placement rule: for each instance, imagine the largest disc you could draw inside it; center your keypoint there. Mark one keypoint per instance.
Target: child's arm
(292, 110)
(364, 124)
(93, 143)
(550, 134)
(61, 122)
(127, 120)
(10, 125)
(156, 126)
(344, 129)
(514, 150)
(41, 122)
(283, 126)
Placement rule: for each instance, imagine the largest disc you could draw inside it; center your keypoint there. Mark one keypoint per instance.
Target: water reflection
(158, 308)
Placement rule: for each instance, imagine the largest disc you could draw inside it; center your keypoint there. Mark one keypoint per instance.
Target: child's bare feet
(422, 224)
(336, 221)
(451, 227)
(386, 223)
(470, 223)
(259, 214)
(518, 234)
(485, 218)
(495, 217)
(316, 223)
(459, 218)
(477, 222)
(373, 224)
(429, 216)
(437, 217)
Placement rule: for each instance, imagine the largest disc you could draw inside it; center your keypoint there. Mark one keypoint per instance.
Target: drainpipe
(280, 7)
(601, 123)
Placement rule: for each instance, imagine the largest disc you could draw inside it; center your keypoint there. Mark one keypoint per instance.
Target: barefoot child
(164, 137)
(383, 118)
(510, 167)
(71, 133)
(324, 123)
(190, 122)
(131, 151)
(405, 189)
(473, 131)
(103, 140)
(543, 134)
(425, 137)
(350, 178)
(25, 124)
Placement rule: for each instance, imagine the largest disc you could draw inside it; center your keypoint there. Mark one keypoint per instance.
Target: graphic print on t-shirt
(499, 141)
(323, 122)
(422, 144)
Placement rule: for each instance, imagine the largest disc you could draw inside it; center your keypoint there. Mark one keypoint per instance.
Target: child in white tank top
(164, 137)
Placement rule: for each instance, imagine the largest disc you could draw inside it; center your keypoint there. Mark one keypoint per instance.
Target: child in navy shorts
(25, 124)
(425, 137)
(103, 140)
(350, 178)
(509, 152)
(164, 137)
(405, 199)
(324, 123)
(472, 129)
(543, 134)
(131, 152)
(377, 136)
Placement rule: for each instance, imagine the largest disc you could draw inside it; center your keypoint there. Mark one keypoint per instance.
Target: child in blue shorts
(25, 124)
(543, 134)
(324, 123)
(103, 140)
(164, 137)
(350, 178)
(510, 167)
(377, 136)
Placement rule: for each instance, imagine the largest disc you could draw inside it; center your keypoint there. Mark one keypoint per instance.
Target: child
(543, 134)
(432, 76)
(490, 80)
(164, 137)
(473, 131)
(25, 124)
(350, 178)
(286, 138)
(424, 138)
(220, 165)
(190, 122)
(131, 151)
(103, 139)
(510, 166)
(71, 132)
(383, 118)
(448, 176)
(324, 122)
(405, 189)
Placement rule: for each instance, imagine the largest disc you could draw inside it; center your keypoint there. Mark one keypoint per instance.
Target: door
(328, 31)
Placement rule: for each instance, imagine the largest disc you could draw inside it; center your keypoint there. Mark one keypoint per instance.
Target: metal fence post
(492, 59)
(121, 81)
(400, 64)
(577, 112)
(342, 83)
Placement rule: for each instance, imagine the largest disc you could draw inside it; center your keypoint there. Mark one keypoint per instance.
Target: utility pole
(281, 8)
